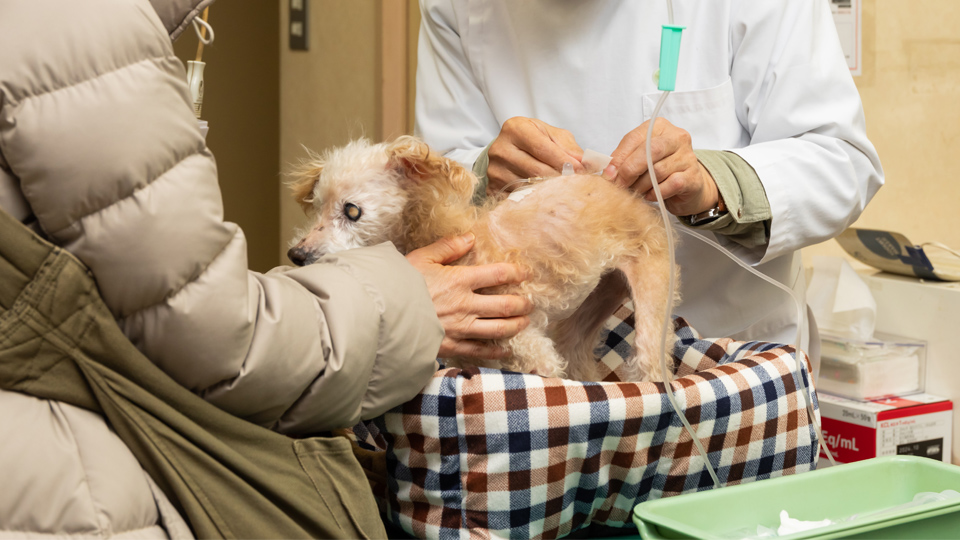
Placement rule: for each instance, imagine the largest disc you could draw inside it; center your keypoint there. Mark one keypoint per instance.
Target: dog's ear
(412, 158)
(303, 180)
(416, 162)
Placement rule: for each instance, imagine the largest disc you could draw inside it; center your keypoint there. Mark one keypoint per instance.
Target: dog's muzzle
(298, 255)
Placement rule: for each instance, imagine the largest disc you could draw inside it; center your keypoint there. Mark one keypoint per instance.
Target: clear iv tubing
(668, 379)
(668, 385)
(667, 382)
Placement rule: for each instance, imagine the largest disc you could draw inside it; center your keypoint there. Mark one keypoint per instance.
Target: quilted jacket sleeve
(97, 126)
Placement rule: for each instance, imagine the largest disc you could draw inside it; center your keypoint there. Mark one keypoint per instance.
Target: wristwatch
(709, 215)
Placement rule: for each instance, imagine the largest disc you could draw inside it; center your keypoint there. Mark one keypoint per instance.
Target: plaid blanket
(483, 452)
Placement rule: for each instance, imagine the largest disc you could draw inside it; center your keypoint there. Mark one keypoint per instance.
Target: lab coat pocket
(711, 114)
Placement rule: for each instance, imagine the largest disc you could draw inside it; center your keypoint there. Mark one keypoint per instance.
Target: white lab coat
(765, 78)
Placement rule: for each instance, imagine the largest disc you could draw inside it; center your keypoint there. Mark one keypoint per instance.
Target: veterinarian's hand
(468, 318)
(527, 148)
(685, 184)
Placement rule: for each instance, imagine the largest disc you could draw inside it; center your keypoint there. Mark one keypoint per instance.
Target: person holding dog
(762, 146)
(125, 294)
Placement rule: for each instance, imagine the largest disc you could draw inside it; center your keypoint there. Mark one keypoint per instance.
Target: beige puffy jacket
(100, 153)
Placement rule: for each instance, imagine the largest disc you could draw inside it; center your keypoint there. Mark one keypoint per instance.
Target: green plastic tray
(836, 493)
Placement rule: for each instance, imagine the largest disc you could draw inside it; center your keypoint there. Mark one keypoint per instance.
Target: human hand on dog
(470, 319)
(527, 148)
(686, 185)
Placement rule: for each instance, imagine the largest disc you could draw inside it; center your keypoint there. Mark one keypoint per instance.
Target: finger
(478, 350)
(687, 199)
(676, 175)
(544, 149)
(663, 169)
(501, 305)
(566, 141)
(669, 156)
(569, 144)
(629, 145)
(630, 157)
(637, 138)
(445, 250)
(501, 178)
(578, 166)
(610, 173)
(644, 186)
(491, 275)
(632, 170)
(520, 163)
(668, 188)
(628, 162)
(490, 328)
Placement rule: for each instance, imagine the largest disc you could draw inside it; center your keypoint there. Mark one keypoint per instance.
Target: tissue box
(886, 366)
(854, 430)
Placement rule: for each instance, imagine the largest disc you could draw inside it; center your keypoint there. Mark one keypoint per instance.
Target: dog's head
(360, 195)
(353, 196)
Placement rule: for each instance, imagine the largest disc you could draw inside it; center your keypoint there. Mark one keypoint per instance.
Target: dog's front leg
(534, 352)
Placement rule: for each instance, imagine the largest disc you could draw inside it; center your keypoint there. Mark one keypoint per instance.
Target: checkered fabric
(483, 452)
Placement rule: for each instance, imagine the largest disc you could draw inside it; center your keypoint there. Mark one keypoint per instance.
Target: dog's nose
(297, 255)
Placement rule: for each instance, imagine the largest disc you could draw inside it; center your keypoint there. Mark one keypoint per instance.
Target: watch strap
(709, 215)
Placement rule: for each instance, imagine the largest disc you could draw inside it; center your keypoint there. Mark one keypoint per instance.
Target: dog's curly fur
(585, 243)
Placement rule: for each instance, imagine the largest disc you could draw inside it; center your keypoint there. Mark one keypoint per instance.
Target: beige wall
(241, 103)
(328, 94)
(911, 95)
(341, 88)
(413, 29)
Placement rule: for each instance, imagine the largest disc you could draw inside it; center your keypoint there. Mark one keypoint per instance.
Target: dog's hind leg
(577, 336)
(649, 275)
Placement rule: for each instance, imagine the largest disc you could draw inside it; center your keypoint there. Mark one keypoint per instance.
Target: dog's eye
(352, 211)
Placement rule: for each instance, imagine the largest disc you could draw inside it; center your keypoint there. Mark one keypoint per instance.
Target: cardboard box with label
(918, 425)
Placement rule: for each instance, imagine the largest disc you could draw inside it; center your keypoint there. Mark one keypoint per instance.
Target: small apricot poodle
(586, 245)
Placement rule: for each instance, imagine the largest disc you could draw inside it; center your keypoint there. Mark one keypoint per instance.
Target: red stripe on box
(940, 406)
(848, 442)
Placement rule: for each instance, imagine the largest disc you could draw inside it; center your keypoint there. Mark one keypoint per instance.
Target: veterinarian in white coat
(514, 89)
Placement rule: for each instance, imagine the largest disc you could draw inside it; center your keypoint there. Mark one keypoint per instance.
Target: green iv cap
(669, 56)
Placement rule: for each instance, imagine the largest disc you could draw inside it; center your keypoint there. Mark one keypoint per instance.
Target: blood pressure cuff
(512, 455)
